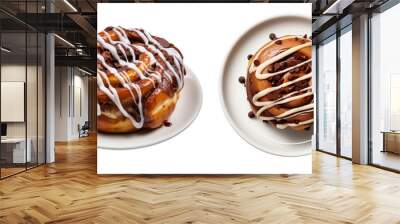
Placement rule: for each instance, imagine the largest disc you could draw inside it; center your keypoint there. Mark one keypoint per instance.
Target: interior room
(336, 84)
(47, 89)
(22, 98)
(72, 103)
(48, 126)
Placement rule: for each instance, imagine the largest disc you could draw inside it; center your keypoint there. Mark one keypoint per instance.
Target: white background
(204, 33)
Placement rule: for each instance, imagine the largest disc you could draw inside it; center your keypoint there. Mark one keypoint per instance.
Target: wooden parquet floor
(70, 191)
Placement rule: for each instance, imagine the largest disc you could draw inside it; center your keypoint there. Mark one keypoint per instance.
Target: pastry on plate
(139, 79)
(279, 83)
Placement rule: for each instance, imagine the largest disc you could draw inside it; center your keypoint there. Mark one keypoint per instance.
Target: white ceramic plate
(233, 94)
(187, 109)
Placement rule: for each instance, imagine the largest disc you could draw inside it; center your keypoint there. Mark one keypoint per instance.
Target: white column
(50, 92)
(50, 99)
(360, 90)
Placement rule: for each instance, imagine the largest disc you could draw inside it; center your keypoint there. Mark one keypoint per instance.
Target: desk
(16, 147)
(391, 141)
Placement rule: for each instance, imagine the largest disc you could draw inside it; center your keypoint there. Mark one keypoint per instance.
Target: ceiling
(75, 21)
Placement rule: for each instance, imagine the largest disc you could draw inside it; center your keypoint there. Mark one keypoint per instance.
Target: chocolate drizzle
(131, 64)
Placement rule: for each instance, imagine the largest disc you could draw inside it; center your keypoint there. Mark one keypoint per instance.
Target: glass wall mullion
(338, 72)
(369, 73)
(37, 90)
(26, 88)
(316, 97)
(1, 163)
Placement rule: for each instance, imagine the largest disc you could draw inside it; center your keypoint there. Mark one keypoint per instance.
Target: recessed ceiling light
(70, 5)
(84, 71)
(5, 50)
(64, 40)
(337, 7)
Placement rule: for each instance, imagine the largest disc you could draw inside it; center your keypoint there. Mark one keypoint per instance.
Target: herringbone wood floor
(69, 191)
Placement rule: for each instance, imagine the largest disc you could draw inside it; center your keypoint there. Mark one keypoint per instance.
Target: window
(385, 90)
(346, 74)
(327, 95)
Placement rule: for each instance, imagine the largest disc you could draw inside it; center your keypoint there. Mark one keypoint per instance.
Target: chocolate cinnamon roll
(139, 79)
(279, 85)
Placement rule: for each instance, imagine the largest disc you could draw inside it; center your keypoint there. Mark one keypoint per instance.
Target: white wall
(81, 94)
(12, 73)
(61, 103)
(70, 84)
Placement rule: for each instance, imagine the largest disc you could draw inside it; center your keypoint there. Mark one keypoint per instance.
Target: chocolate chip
(272, 36)
(308, 69)
(167, 123)
(242, 79)
(296, 38)
(307, 128)
(249, 56)
(256, 62)
(251, 114)
(305, 36)
(162, 41)
(279, 42)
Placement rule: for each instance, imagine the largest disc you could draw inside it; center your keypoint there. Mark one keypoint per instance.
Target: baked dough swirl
(139, 78)
(279, 85)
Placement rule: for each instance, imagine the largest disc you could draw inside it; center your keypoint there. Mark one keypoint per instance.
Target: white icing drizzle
(98, 110)
(283, 126)
(112, 93)
(153, 50)
(264, 105)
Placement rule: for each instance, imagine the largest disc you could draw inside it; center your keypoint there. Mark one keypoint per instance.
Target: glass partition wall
(334, 86)
(22, 77)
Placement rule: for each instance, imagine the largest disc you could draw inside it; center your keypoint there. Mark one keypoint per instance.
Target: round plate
(233, 94)
(186, 110)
